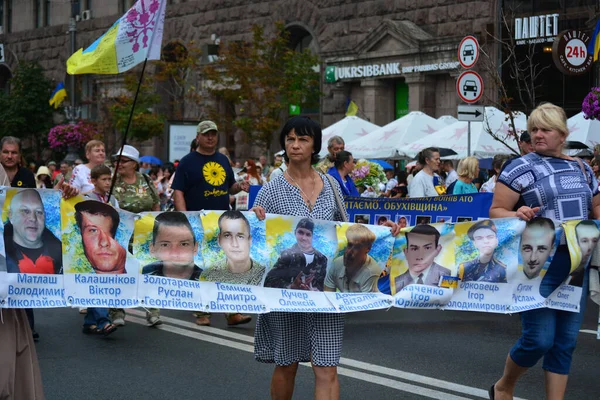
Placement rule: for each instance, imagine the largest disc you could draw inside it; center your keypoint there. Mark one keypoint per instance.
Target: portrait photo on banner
(96, 238)
(234, 248)
(168, 244)
(486, 250)
(421, 255)
(362, 257)
(540, 238)
(31, 229)
(582, 238)
(301, 250)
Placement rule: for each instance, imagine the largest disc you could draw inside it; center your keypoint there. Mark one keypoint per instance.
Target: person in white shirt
(422, 184)
(391, 183)
(451, 175)
(497, 163)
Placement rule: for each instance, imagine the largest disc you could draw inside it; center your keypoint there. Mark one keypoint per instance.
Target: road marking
(589, 331)
(348, 362)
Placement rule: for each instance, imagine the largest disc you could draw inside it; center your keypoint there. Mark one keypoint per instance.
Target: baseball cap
(525, 137)
(206, 126)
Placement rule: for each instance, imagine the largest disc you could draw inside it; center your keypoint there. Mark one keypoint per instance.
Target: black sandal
(94, 330)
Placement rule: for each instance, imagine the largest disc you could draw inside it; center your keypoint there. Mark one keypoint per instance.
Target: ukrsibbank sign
(536, 29)
(335, 73)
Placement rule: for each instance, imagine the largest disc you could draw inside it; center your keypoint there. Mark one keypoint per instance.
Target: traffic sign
(471, 113)
(469, 87)
(468, 52)
(2, 53)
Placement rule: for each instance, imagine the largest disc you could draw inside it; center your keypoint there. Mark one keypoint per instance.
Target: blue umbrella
(383, 164)
(151, 160)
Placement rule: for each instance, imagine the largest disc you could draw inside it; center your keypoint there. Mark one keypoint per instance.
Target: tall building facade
(388, 56)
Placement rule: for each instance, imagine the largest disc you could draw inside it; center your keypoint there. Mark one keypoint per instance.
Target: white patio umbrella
(482, 143)
(386, 141)
(349, 128)
(447, 119)
(586, 131)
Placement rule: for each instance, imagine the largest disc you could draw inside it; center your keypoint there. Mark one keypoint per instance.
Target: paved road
(395, 354)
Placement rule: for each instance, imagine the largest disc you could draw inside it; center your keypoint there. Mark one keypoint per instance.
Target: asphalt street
(395, 354)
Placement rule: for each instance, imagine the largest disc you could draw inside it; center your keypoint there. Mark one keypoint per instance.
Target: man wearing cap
(203, 181)
(204, 177)
(525, 143)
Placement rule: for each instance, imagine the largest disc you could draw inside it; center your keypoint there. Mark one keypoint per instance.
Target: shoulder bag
(338, 200)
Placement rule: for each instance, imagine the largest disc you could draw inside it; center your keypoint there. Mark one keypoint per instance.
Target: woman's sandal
(94, 330)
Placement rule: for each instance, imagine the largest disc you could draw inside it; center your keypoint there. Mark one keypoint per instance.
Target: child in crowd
(101, 179)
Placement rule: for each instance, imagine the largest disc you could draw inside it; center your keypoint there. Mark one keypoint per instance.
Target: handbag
(338, 200)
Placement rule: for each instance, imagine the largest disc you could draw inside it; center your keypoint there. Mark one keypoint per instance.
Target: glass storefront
(532, 21)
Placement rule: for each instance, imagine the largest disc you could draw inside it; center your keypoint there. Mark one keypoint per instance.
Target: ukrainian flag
(594, 46)
(352, 109)
(135, 37)
(58, 96)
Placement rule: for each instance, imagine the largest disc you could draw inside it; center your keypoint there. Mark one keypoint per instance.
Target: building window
(125, 5)
(1, 16)
(9, 8)
(39, 13)
(46, 12)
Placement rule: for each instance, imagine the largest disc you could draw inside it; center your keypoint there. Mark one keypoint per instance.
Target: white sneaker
(154, 321)
(119, 321)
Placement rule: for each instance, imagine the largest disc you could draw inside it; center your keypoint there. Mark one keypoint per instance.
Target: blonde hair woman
(468, 170)
(534, 186)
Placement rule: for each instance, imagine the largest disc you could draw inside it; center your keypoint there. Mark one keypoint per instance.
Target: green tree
(24, 110)
(176, 73)
(146, 123)
(259, 79)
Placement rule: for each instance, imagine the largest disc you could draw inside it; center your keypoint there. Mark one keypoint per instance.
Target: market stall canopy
(482, 143)
(349, 128)
(386, 141)
(447, 120)
(586, 131)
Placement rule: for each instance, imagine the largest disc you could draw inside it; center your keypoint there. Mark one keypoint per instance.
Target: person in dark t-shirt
(204, 178)
(203, 181)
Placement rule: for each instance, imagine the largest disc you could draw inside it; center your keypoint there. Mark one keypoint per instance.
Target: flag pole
(137, 92)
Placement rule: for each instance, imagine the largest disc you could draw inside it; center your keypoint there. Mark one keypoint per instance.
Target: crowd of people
(300, 185)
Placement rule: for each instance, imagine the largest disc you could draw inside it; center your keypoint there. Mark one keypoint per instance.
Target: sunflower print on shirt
(214, 173)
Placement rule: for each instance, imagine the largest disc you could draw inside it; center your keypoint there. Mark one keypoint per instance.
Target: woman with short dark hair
(283, 338)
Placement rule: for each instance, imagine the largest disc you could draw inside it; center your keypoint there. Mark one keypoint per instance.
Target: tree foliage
(177, 72)
(259, 79)
(24, 111)
(146, 123)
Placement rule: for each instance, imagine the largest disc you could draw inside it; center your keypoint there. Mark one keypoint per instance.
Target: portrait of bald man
(30, 247)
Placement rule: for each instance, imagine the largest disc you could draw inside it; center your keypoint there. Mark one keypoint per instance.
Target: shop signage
(335, 73)
(570, 54)
(536, 29)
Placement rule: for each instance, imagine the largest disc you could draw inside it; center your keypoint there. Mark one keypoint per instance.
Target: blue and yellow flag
(58, 96)
(135, 37)
(352, 109)
(594, 46)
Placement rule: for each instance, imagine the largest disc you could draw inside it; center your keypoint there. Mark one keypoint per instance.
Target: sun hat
(42, 171)
(130, 152)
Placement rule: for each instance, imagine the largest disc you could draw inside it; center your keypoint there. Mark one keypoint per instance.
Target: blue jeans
(96, 316)
(548, 333)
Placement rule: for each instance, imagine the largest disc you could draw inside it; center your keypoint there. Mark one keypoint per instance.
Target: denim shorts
(548, 333)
